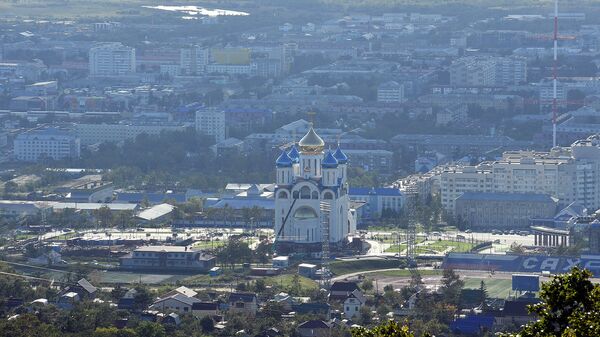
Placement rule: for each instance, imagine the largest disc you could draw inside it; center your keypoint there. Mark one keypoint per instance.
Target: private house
(314, 328)
(201, 309)
(340, 290)
(243, 302)
(175, 303)
(353, 303)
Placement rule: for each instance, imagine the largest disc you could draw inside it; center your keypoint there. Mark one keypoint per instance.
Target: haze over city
(314, 168)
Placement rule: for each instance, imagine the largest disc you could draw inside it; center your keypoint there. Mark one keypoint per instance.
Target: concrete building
(116, 133)
(472, 72)
(167, 258)
(49, 143)
(211, 122)
(502, 210)
(111, 59)
(390, 92)
(193, 60)
(569, 174)
(20, 209)
(377, 201)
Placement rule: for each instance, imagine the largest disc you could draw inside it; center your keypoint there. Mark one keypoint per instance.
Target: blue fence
(522, 263)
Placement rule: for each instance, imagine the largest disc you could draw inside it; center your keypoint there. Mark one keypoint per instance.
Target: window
(282, 195)
(305, 192)
(327, 195)
(315, 195)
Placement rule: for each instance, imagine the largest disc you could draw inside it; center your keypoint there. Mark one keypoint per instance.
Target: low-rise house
(176, 303)
(243, 302)
(201, 309)
(353, 303)
(314, 328)
(340, 290)
(68, 300)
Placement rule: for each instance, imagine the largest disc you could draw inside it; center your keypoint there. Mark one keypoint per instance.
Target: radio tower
(554, 70)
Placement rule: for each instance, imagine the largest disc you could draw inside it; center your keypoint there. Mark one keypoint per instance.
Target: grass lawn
(285, 281)
(353, 266)
(208, 244)
(456, 246)
(496, 288)
(406, 273)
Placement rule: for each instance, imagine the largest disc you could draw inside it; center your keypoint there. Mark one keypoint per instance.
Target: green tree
(367, 285)
(569, 307)
(388, 329)
(114, 332)
(207, 324)
(482, 292)
(451, 286)
(150, 329)
(26, 326)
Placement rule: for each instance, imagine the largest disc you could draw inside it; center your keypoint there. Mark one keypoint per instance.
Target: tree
(388, 329)
(451, 286)
(150, 329)
(482, 292)
(143, 298)
(114, 332)
(570, 307)
(207, 324)
(367, 285)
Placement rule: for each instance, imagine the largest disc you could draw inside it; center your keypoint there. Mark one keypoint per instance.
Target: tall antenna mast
(554, 70)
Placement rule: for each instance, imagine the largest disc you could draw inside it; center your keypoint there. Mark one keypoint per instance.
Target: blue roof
(153, 198)
(506, 196)
(386, 191)
(284, 160)
(340, 156)
(294, 154)
(329, 161)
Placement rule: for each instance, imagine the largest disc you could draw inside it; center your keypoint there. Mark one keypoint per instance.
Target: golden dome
(311, 142)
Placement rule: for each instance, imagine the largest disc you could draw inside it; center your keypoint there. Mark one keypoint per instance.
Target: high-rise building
(488, 71)
(307, 179)
(193, 60)
(390, 92)
(211, 122)
(111, 59)
(569, 174)
(50, 143)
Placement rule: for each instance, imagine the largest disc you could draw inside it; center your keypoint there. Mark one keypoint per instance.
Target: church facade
(312, 189)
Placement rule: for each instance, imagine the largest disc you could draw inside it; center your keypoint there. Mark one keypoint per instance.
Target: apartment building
(119, 132)
(488, 71)
(50, 143)
(193, 60)
(211, 122)
(569, 174)
(390, 92)
(111, 59)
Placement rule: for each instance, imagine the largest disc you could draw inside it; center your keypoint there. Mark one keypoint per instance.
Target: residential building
(390, 92)
(211, 122)
(167, 258)
(116, 133)
(246, 303)
(201, 309)
(48, 143)
(487, 211)
(314, 328)
(175, 303)
(353, 303)
(340, 290)
(472, 72)
(111, 59)
(193, 60)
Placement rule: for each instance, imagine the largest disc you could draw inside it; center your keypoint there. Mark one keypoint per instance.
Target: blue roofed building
(378, 201)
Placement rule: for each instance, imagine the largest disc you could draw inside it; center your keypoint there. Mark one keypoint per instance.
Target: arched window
(315, 195)
(327, 195)
(282, 195)
(305, 192)
(295, 195)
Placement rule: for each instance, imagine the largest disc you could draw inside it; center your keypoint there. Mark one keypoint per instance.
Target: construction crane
(325, 222)
(554, 75)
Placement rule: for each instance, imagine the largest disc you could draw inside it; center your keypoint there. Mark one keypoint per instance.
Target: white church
(309, 180)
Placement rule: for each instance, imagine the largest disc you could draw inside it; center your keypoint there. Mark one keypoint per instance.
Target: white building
(116, 133)
(47, 143)
(211, 122)
(472, 72)
(192, 60)
(310, 181)
(111, 59)
(231, 69)
(390, 92)
(569, 174)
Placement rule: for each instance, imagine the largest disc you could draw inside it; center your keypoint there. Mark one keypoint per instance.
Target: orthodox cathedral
(311, 190)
